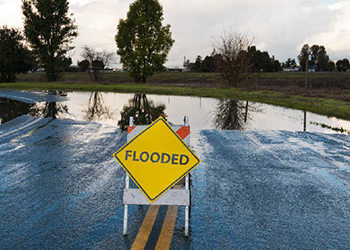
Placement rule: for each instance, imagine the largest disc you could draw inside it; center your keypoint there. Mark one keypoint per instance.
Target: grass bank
(323, 106)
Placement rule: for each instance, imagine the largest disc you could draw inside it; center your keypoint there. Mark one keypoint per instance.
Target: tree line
(143, 44)
(255, 60)
(317, 59)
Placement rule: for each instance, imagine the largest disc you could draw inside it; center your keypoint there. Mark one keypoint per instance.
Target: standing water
(205, 113)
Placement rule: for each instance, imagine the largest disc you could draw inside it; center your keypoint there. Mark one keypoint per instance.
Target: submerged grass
(323, 106)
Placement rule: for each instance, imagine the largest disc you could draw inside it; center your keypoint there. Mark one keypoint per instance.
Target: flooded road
(204, 113)
(60, 187)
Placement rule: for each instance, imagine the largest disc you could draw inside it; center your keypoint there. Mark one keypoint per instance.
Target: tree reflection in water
(97, 110)
(143, 110)
(49, 109)
(10, 109)
(233, 115)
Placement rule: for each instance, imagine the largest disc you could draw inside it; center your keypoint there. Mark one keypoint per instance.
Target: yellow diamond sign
(156, 159)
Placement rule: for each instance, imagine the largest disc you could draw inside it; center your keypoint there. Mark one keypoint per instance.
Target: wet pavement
(60, 188)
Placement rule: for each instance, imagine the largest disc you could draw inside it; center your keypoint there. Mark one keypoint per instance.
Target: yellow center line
(146, 228)
(166, 235)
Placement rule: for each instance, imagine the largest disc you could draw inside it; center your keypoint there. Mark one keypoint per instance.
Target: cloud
(281, 27)
(11, 13)
(336, 38)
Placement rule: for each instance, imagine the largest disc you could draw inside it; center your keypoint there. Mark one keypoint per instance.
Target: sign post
(156, 158)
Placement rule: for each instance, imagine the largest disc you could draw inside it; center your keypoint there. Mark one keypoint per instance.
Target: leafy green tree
(330, 66)
(290, 63)
(15, 57)
(50, 30)
(187, 64)
(142, 40)
(339, 65)
(67, 62)
(304, 55)
(276, 65)
(84, 65)
(346, 64)
(314, 55)
(197, 65)
(261, 61)
(208, 64)
(317, 56)
(322, 59)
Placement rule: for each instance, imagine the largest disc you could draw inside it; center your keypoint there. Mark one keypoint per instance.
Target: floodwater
(204, 113)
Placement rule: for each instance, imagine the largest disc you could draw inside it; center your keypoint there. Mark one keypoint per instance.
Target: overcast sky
(279, 26)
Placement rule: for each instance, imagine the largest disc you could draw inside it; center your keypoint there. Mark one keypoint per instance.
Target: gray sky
(279, 26)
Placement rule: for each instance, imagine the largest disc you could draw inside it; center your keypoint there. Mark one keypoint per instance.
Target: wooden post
(306, 71)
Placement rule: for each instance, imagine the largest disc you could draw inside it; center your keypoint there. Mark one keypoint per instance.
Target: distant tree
(314, 55)
(290, 63)
(346, 64)
(208, 64)
(197, 65)
(15, 57)
(97, 61)
(266, 63)
(277, 67)
(143, 42)
(84, 65)
(322, 59)
(339, 65)
(50, 30)
(67, 62)
(303, 56)
(317, 55)
(261, 61)
(187, 64)
(235, 65)
(330, 66)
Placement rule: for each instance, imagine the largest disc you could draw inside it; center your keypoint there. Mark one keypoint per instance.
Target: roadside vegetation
(329, 97)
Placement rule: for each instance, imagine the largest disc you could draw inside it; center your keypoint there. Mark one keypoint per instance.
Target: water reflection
(233, 115)
(204, 113)
(10, 109)
(143, 110)
(51, 109)
(97, 110)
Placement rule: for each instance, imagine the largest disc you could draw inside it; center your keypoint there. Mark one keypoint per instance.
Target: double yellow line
(166, 233)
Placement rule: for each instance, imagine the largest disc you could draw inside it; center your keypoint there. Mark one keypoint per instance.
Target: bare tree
(97, 60)
(234, 64)
(232, 114)
(97, 109)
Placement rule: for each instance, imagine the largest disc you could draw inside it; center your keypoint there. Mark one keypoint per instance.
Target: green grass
(322, 106)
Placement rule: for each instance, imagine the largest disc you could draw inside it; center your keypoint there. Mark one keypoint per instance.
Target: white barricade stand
(174, 197)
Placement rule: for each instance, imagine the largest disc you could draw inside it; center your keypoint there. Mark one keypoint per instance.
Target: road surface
(60, 188)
